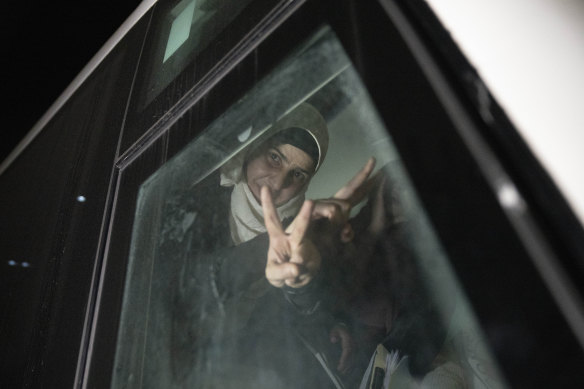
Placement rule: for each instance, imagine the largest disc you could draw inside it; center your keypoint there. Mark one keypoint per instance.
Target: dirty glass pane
(209, 304)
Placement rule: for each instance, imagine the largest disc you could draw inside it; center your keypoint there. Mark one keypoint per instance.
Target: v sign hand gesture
(336, 210)
(293, 259)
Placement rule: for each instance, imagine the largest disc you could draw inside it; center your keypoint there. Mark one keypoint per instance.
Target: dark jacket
(230, 327)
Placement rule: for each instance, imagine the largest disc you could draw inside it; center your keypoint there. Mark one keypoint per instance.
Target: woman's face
(285, 169)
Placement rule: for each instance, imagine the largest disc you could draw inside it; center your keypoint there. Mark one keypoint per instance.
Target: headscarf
(246, 219)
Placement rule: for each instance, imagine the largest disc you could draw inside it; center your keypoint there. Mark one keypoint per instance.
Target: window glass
(186, 29)
(213, 300)
(188, 43)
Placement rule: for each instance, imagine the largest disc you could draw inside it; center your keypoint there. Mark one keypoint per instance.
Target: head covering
(297, 127)
(305, 117)
(299, 138)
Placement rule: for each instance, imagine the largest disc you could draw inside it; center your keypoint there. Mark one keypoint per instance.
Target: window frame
(201, 71)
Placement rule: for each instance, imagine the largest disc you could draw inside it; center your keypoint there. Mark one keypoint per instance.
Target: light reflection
(243, 136)
(509, 197)
(22, 264)
(81, 199)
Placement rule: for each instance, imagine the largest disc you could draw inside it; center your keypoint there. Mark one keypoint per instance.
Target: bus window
(186, 29)
(186, 40)
(341, 292)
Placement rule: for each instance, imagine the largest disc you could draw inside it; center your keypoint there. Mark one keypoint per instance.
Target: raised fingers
(365, 188)
(347, 191)
(301, 222)
(271, 219)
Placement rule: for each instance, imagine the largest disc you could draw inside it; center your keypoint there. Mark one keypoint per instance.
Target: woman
(285, 159)
(229, 323)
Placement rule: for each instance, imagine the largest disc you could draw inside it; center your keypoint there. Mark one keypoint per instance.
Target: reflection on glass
(186, 30)
(232, 286)
(180, 28)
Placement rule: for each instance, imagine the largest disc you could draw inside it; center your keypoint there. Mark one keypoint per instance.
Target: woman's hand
(293, 259)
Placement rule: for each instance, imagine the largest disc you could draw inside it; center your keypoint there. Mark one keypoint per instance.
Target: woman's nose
(278, 181)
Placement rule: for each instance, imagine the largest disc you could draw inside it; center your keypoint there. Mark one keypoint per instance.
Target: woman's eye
(275, 157)
(299, 176)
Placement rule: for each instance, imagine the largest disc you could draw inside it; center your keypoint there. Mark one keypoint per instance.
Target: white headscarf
(246, 219)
